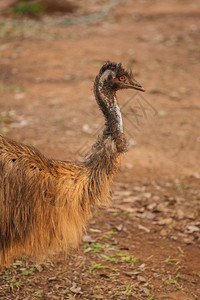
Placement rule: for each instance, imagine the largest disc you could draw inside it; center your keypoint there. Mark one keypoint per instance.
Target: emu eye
(122, 78)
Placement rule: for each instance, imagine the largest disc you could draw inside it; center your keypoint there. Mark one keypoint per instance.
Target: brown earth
(146, 245)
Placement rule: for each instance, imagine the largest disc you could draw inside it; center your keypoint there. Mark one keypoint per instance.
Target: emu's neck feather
(104, 158)
(107, 102)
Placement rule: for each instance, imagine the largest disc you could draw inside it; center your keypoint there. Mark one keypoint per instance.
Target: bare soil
(146, 245)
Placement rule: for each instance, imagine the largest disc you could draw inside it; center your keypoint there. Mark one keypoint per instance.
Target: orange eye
(122, 78)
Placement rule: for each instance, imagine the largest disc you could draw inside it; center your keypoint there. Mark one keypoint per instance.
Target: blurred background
(50, 53)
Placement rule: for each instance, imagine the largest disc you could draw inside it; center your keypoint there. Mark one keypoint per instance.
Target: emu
(45, 203)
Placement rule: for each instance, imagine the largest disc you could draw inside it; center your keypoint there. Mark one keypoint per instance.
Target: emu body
(44, 203)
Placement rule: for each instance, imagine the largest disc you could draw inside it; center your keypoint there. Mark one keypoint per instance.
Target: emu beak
(135, 85)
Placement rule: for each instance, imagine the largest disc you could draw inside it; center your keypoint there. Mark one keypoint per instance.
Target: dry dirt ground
(146, 245)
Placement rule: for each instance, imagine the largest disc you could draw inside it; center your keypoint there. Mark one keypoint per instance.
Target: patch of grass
(11, 88)
(38, 294)
(66, 291)
(170, 260)
(108, 234)
(94, 247)
(28, 272)
(17, 264)
(170, 281)
(31, 9)
(116, 293)
(127, 212)
(96, 266)
(111, 259)
(121, 258)
(112, 232)
(11, 285)
(116, 213)
(85, 245)
(151, 297)
(62, 121)
(128, 291)
(18, 284)
(50, 262)
(127, 258)
(95, 230)
(3, 120)
(8, 277)
(23, 257)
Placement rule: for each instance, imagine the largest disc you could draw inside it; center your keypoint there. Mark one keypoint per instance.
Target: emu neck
(104, 160)
(107, 101)
(117, 117)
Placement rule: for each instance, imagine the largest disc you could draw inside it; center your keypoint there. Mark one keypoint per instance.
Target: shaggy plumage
(44, 203)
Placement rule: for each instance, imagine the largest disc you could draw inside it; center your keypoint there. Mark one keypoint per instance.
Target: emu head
(113, 77)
